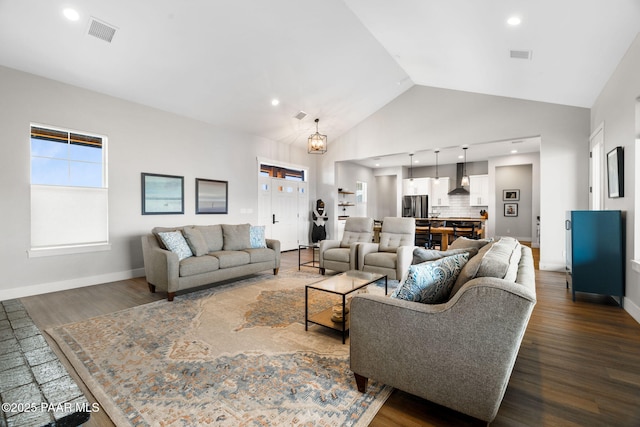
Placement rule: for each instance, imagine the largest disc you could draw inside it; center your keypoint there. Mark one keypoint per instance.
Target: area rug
(232, 355)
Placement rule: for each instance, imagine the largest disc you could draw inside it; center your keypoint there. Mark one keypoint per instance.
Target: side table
(315, 257)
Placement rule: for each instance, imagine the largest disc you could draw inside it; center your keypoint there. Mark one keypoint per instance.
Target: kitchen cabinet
(415, 186)
(440, 192)
(478, 190)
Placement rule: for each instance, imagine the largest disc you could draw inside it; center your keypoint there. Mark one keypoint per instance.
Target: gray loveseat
(218, 252)
(459, 353)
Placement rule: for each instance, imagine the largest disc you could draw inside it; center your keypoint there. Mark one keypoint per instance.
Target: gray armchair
(393, 255)
(341, 255)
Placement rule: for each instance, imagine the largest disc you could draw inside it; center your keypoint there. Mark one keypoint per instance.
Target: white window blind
(69, 195)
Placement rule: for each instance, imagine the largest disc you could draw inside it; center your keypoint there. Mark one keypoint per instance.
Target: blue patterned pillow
(431, 282)
(256, 236)
(175, 242)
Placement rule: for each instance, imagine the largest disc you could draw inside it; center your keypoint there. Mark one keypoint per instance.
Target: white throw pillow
(175, 242)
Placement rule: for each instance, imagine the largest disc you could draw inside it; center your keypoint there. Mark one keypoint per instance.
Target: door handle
(567, 224)
(274, 219)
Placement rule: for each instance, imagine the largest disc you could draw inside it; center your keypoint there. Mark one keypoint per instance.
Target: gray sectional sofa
(459, 353)
(213, 253)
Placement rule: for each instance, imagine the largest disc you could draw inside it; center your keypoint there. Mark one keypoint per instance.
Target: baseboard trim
(552, 266)
(45, 288)
(631, 308)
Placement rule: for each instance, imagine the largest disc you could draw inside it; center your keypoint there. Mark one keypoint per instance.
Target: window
(281, 172)
(66, 158)
(69, 199)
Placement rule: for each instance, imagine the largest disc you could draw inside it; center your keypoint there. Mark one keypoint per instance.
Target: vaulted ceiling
(224, 61)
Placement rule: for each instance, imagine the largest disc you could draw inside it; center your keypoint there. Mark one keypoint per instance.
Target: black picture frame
(162, 194)
(510, 209)
(615, 172)
(511, 195)
(212, 196)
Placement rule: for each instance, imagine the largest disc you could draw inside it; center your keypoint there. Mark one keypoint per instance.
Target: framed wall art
(212, 197)
(512, 195)
(510, 209)
(162, 194)
(615, 172)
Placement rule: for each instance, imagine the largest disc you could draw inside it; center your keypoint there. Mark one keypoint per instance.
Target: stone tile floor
(35, 388)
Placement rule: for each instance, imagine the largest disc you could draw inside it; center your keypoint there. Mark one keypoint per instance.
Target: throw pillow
(431, 282)
(470, 269)
(174, 241)
(464, 242)
(196, 241)
(421, 255)
(256, 236)
(236, 237)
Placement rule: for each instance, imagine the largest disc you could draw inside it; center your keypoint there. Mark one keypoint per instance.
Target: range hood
(459, 188)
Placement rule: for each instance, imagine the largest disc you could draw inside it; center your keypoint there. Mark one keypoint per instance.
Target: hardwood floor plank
(578, 365)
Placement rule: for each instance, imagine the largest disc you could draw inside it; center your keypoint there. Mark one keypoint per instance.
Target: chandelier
(317, 142)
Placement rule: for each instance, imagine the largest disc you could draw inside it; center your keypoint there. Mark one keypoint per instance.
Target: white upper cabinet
(439, 192)
(479, 190)
(415, 186)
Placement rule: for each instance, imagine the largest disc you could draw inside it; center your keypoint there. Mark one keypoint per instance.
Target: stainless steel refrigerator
(415, 206)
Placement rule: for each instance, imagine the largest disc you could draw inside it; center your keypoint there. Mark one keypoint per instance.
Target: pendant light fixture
(411, 166)
(464, 182)
(437, 180)
(317, 142)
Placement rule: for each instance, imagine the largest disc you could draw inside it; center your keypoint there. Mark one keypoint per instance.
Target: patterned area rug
(231, 355)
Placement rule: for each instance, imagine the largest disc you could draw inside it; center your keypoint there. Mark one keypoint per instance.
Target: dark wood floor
(579, 363)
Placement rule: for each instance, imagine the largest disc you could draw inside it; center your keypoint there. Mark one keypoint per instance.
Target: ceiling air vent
(520, 54)
(301, 115)
(101, 30)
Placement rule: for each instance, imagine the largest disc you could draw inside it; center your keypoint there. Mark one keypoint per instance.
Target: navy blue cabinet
(595, 252)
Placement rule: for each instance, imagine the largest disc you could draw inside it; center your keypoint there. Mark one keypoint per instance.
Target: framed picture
(513, 195)
(162, 194)
(211, 196)
(615, 172)
(510, 209)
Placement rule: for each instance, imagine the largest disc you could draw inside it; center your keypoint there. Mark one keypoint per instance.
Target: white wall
(141, 139)
(426, 117)
(616, 108)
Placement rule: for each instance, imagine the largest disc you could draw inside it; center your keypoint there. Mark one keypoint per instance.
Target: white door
(264, 205)
(304, 214)
(596, 175)
(284, 210)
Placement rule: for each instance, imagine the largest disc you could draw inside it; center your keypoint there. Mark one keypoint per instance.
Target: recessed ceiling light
(275, 102)
(71, 14)
(514, 21)
(514, 151)
(417, 161)
(377, 164)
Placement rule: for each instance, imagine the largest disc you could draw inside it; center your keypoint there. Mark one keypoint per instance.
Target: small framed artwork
(510, 209)
(513, 195)
(162, 194)
(211, 196)
(615, 172)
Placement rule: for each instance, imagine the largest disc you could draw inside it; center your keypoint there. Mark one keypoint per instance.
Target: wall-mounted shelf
(344, 202)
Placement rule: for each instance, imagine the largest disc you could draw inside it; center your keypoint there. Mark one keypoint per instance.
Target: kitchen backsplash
(459, 208)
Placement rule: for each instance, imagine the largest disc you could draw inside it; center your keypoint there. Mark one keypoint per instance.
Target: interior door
(596, 169)
(284, 208)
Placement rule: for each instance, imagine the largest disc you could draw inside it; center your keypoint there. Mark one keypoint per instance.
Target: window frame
(48, 243)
